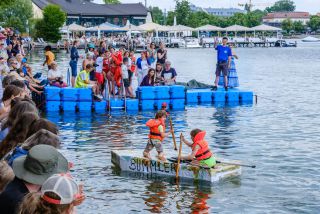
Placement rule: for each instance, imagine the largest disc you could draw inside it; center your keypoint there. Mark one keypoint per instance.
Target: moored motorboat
(132, 161)
(310, 39)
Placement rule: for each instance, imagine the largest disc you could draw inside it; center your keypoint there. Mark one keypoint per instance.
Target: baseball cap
(24, 60)
(63, 186)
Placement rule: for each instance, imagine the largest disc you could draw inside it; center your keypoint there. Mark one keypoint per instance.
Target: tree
(170, 18)
(182, 11)
(314, 23)
(287, 25)
(112, 2)
(157, 15)
(282, 6)
(298, 26)
(16, 14)
(49, 27)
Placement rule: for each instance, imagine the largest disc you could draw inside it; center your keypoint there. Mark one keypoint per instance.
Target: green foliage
(48, 27)
(16, 13)
(298, 26)
(157, 15)
(183, 11)
(111, 1)
(287, 25)
(314, 23)
(170, 18)
(282, 6)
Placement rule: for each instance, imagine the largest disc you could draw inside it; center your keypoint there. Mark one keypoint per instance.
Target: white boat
(310, 39)
(192, 43)
(132, 161)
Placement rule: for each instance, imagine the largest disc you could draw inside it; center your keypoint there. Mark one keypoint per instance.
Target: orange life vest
(204, 151)
(154, 124)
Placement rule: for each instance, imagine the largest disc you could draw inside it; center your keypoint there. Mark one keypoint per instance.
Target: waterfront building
(276, 19)
(87, 13)
(223, 12)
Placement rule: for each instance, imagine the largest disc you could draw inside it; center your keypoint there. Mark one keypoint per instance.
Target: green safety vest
(79, 82)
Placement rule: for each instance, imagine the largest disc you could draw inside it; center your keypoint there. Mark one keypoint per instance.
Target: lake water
(280, 135)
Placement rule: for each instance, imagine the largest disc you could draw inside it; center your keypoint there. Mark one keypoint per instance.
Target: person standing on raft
(201, 154)
(157, 134)
(224, 55)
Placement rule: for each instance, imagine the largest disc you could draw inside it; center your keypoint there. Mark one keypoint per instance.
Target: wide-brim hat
(39, 164)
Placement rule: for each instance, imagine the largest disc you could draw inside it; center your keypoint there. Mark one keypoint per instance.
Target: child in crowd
(157, 135)
(83, 81)
(58, 194)
(125, 77)
(201, 154)
(158, 80)
(98, 73)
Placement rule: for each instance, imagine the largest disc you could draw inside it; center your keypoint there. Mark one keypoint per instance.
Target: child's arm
(186, 142)
(192, 155)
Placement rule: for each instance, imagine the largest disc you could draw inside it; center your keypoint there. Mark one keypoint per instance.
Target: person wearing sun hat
(59, 194)
(31, 171)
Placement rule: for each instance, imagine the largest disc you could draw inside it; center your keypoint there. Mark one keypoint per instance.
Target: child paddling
(201, 154)
(157, 135)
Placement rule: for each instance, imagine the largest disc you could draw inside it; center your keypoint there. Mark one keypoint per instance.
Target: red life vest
(204, 151)
(154, 124)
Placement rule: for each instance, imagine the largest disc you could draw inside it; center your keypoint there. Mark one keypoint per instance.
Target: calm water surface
(280, 135)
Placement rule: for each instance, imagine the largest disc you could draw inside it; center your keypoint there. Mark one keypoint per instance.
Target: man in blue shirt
(223, 62)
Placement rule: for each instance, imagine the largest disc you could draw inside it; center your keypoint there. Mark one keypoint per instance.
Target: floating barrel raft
(132, 161)
(148, 98)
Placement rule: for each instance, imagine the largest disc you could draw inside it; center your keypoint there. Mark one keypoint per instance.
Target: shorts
(100, 78)
(222, 67)
(92, 76)
(154, 143)
(126, 82)
(210, 162)
(73, 65)
(130, 73)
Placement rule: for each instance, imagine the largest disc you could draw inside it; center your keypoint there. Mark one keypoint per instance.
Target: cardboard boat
(133, 161)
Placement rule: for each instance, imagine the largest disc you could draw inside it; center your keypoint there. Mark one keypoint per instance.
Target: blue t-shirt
(223, 53)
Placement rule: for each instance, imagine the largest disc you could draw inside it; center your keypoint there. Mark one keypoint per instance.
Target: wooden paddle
(173, 136)
(179, 157)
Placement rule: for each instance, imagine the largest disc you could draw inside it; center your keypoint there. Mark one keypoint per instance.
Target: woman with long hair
(148, 80)
(18, 133)
(143, 65)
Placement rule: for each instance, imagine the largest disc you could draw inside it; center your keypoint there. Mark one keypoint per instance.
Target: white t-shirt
(144, 65)
(125, 74)
(54, 74)
(99, 62)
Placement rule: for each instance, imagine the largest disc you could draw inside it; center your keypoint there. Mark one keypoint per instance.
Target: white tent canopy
(105, 27)
(236, 28)
(131, 27)
(74, 27)
(151, 26)
(209, 28)
(265, 28)
(180, 28)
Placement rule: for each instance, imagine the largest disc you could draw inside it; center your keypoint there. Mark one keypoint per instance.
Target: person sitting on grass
(201, 154)
(157, 134)
(83, 81)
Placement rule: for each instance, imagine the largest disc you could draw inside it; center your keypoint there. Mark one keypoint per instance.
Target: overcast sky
(312, 6)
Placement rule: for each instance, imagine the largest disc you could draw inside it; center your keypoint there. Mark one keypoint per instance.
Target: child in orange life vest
(201, 154)
(157, 135)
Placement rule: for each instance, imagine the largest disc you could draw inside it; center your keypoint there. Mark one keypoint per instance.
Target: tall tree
(287, 25)
(49, 27)
(111, 1)
(314, 23)
(16, 14)
(182, 11)
(298, 26)
(157, 15)
(282, 6)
